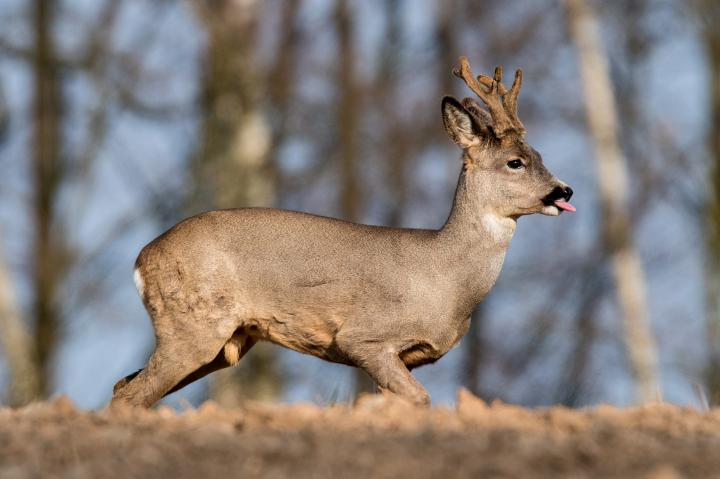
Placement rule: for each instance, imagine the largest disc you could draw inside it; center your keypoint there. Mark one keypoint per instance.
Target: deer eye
(515, 164)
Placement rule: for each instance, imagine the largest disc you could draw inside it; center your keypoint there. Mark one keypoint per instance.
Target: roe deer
(382, 299)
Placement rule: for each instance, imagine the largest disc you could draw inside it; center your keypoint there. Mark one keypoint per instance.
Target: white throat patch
(500, 229)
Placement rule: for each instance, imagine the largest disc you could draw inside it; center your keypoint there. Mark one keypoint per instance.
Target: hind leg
(124, 381)
(173, 360)
(231, 354)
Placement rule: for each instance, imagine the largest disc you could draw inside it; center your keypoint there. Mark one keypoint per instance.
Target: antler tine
(510, 101)
(488, 82)
(495, 96)
(466, 74)
(497, 76)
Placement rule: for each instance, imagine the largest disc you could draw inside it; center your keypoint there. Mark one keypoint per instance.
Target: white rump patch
(139, 282)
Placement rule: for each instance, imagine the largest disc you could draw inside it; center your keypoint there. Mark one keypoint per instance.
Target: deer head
(506, 171)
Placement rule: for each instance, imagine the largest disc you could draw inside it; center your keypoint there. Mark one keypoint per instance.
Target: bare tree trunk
(614, 186)
(709, 11)
(232, 165)
(17, 345)
(281, 88)
(446, 43)
(54, 266)
(575, 382)
(47, 171)
(396, 138)
(474, 354)
(348, 115)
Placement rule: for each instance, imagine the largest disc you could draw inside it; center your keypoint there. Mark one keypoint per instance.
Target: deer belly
(309, 335)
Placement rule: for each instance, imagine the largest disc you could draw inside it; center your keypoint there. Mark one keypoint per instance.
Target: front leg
(382, 362)
(390, 373)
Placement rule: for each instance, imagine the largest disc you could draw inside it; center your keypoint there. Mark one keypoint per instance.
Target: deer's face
(514, 180)
(505, 172)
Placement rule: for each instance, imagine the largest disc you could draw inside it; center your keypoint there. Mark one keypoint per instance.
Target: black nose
(559, 192)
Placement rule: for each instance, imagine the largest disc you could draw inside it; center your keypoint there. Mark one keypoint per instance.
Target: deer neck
(476, 237)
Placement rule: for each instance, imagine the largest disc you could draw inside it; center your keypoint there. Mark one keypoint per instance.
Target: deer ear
(482, 119)
(459, 123)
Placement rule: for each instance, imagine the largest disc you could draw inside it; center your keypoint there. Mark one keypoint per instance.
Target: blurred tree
(396, 139)
(348, 113)
(29, 356)
(17, 345)
(475, 354)
(281, 90)
(49, 252)
(4, 114)
(709, 15)
(634, 44)
(64, 277)
(231, 166)
(576, 374)
(614, 187)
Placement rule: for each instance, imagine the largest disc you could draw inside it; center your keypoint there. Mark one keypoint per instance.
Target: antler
(501, 102)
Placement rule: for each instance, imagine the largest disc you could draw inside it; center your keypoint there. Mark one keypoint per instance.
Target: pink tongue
(564, 205)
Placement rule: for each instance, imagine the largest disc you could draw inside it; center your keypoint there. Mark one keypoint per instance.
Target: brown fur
(382, 299)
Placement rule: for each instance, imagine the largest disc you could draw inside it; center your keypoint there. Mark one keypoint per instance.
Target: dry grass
(379, 437)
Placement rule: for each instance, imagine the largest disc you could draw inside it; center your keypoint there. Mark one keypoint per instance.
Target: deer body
(299, 280)
(383, 299)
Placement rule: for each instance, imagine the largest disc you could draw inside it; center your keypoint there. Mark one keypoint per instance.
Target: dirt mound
(380, 437)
